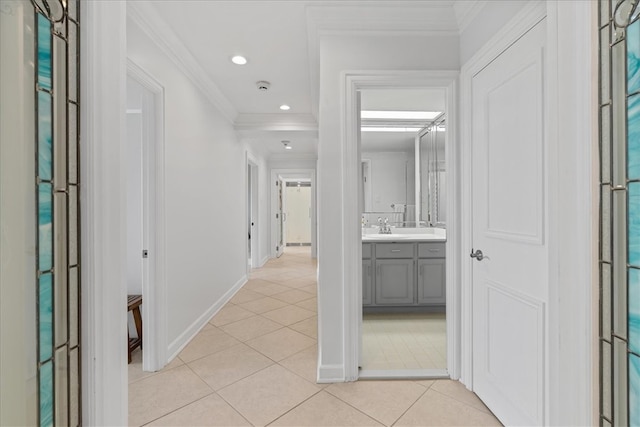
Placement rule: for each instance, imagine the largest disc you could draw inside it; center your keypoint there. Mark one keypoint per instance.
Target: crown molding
(400, 18)
(291, 156)
(145, 15)
(466, 11)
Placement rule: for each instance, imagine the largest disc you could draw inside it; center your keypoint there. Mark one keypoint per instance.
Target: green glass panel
(45, 316)
(46, 394)
(634, 390)
(45, 140)
(633, 57)
(45, 227)
(44, 52)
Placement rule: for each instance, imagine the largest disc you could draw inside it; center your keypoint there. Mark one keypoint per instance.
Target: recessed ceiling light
(286, 145)
(239, 60)
(388, 129)
(285, 107)
(400, 115)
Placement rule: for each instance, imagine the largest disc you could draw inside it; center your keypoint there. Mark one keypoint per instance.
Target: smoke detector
(263, 85)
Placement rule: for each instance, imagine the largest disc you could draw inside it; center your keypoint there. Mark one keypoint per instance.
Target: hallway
(255, 364)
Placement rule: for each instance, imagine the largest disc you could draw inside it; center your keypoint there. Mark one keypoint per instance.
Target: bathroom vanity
(404, 271)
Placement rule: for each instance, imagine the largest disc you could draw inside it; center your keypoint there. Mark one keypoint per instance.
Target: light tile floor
(255, 364)
(411, 341)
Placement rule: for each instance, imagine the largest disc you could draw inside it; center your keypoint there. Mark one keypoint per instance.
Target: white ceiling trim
(321, 22)
(466, 11)
(146, 16)
(291, 156)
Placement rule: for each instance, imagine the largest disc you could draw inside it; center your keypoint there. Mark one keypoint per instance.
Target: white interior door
(510, 284)
(280, 217)
(298, 215)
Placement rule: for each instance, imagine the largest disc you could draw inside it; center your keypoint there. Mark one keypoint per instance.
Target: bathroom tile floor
(412, 341)
(255, 362)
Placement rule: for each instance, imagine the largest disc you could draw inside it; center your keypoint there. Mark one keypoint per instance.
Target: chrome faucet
(385, 228)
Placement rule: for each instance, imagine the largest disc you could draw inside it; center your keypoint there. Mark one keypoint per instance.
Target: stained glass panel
(633, 132)
(634, 224)
(44, 52)
(45, 227)
(634, 390)
(633, 57)
(46, 394)
(45, 316)
(634, 310)
(45, 147)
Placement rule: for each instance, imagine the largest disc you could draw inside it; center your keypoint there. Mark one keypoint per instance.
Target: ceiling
(280, 41)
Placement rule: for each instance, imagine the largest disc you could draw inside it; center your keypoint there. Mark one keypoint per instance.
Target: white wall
(337, 54)
(205, 184)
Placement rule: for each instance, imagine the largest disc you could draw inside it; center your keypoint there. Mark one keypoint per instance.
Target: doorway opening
(145, 216)
(293, 207)
(402, 146)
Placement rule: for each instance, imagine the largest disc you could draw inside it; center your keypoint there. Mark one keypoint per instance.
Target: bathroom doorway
(404, 307)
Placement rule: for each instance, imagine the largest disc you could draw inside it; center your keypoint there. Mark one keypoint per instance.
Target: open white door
(510, 283)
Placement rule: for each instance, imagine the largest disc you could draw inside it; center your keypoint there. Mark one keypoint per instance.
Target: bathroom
(403, 158)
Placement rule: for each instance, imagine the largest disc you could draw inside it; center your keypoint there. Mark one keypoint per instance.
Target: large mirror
(433, 206)
(403, 157)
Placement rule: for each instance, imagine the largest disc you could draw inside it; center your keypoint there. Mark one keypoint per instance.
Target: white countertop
(405, 235)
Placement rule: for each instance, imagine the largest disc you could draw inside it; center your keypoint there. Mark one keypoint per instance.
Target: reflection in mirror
(433, 174)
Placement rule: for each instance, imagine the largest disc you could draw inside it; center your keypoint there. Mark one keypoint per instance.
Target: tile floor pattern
(404, 341)
(255, 364)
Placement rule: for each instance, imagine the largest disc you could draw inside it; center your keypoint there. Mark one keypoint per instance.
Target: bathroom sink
(389, 236)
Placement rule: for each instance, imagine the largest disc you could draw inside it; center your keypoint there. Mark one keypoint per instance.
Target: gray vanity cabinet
(395, 281)
(403, 275)
(431, 273)
(431, 281)
(367, 274)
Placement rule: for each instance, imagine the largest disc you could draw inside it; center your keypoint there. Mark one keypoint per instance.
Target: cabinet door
(395, 282)
(431, 281)
(367, 282)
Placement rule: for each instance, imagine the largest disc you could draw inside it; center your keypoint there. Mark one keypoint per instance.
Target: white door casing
(510, 290)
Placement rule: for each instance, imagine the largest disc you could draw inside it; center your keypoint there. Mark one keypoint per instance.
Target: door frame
(154, 287)
(572, 201)
(351, 83)
(292, 174)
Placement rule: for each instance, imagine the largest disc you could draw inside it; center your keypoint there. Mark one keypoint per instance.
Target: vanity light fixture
(399, 115)
(239, 60)
(285, 107)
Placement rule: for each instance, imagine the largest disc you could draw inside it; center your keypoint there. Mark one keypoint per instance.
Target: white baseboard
(331, 374)
(264, 260)
(185, 338)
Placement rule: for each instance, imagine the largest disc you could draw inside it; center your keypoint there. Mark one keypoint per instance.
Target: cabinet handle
(434, 250)
(395, 250)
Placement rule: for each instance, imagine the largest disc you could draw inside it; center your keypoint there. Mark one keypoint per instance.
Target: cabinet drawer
(394, 250)
(431, 250)
(366, 250)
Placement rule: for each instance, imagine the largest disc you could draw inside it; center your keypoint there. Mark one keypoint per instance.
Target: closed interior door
(509, 220)
(298, 215)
